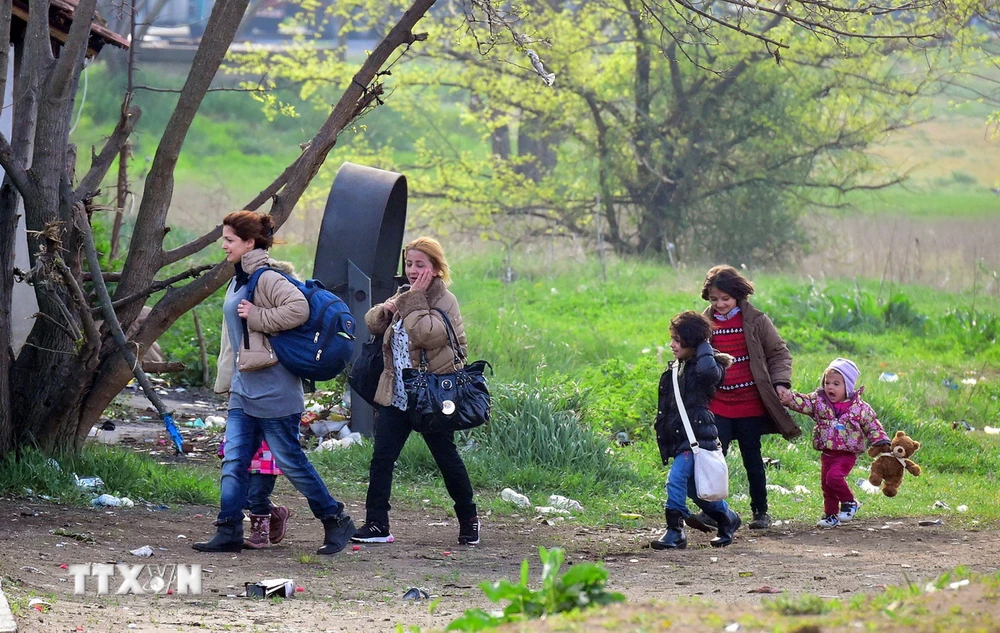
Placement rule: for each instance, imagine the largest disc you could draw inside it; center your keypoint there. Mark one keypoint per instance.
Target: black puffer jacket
(699, 378)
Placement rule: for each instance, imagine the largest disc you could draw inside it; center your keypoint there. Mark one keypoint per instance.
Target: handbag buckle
(447, 407)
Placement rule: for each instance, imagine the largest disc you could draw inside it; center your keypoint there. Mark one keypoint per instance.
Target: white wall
(24, 296)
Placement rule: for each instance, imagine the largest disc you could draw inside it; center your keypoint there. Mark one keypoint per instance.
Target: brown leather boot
(260, 527)
(279, 516)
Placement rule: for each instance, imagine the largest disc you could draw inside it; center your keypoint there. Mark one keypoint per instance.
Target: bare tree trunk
(8, 234)
(113, 374)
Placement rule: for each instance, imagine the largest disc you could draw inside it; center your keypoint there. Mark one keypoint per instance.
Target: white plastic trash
(215, 422)
(559, 501)
(866, 486)
(112, 501)
(145, 550)
(515, 497)
(344, 432)
(550, 510)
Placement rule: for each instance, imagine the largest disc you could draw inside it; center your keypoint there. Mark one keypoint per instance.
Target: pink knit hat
(848, 370)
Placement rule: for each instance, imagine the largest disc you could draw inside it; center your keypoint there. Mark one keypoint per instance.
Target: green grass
(124, 472)
(929, 201)
(578, 359)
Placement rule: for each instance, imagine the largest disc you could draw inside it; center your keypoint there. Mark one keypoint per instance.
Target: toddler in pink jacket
(844, 422)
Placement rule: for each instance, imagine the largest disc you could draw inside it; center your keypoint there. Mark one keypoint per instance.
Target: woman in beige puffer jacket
(412, 328)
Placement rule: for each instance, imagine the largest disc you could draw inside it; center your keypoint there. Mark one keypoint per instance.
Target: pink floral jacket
(844, 433)
(263, 462)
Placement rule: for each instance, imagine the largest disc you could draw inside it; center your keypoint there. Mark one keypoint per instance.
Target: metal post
(359, 249)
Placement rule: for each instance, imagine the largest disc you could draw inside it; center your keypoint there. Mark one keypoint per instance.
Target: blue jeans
(243, 436)
(680, 486)
(259, 493)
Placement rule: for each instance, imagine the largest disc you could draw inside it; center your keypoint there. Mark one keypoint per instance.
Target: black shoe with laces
(468, 531)
(372, 532)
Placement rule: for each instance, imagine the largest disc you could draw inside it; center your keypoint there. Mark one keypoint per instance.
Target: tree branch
(13, 169)
(103, 161)
(158, 286)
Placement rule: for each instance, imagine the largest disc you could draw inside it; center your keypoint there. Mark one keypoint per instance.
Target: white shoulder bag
(711, 473)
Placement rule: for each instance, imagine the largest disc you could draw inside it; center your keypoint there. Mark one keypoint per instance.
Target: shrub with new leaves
(581, 587)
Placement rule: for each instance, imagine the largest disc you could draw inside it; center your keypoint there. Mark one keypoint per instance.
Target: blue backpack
(320, 348)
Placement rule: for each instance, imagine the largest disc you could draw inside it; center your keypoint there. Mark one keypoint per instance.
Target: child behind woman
(700, 370)
(843, 422)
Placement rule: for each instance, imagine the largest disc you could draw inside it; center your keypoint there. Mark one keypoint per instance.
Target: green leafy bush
(581, 587)
(536, 439)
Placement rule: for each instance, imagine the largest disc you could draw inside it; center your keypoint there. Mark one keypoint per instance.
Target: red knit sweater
(738, 396)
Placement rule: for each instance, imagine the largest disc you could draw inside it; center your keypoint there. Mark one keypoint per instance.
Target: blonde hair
(434, 252)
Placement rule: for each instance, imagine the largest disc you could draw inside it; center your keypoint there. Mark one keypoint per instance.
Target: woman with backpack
(411, 327)
(265, 399)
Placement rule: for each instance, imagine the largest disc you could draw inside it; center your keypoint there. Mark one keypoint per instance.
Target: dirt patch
(363, 589)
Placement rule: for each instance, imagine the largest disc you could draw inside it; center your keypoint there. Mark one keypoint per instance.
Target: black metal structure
(357, 256)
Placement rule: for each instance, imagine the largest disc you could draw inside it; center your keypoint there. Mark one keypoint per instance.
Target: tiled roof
(61, 18)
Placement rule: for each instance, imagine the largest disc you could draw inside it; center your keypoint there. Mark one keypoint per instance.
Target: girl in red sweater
(747, 405)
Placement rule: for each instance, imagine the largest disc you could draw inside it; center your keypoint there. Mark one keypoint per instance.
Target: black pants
(392, 428)
(747, 431)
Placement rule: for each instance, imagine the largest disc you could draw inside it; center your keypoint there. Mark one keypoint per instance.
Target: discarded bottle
(866, 486)
(559, 501)
(515, 497)
(112, 501)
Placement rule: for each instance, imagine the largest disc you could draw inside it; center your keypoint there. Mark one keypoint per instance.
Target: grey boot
(674, 538)
(228, 538)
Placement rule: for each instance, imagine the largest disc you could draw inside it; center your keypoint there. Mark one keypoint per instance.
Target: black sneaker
(468, 531)
(372, 532)
(761, 521)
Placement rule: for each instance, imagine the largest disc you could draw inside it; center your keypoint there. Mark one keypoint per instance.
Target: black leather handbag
(367, 369)
(456, 401)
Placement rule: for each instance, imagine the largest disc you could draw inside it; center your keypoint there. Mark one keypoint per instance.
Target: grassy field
(578, 343)
(578, 349)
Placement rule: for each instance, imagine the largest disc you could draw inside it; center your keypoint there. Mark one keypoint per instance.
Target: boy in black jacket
(700, 370)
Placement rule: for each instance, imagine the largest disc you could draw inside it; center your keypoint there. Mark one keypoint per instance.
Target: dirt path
(362, 590)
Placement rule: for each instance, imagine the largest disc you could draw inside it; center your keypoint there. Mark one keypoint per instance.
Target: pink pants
(835, 466)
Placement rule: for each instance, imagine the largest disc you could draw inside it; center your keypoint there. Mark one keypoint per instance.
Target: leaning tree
(70, 368)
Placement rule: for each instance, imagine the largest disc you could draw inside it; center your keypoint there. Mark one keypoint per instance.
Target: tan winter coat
(278, 306)
(770, 364)
(425, 329)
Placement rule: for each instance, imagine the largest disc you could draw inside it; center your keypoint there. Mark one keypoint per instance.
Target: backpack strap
(251, 289)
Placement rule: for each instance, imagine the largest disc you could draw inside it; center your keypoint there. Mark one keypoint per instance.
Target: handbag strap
(452, 338)
(683, 410)
(456, 350)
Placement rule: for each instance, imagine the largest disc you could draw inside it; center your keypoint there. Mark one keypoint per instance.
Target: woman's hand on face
(423, 280)
(244, 309)
(389, 307)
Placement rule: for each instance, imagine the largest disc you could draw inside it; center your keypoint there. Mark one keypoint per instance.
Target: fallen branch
(167, 367)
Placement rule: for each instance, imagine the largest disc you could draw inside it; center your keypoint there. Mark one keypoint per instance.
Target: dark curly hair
(728, 280)
(691, 328)
(252, 225)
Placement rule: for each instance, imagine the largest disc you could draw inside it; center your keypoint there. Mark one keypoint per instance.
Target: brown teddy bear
(889, 464)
